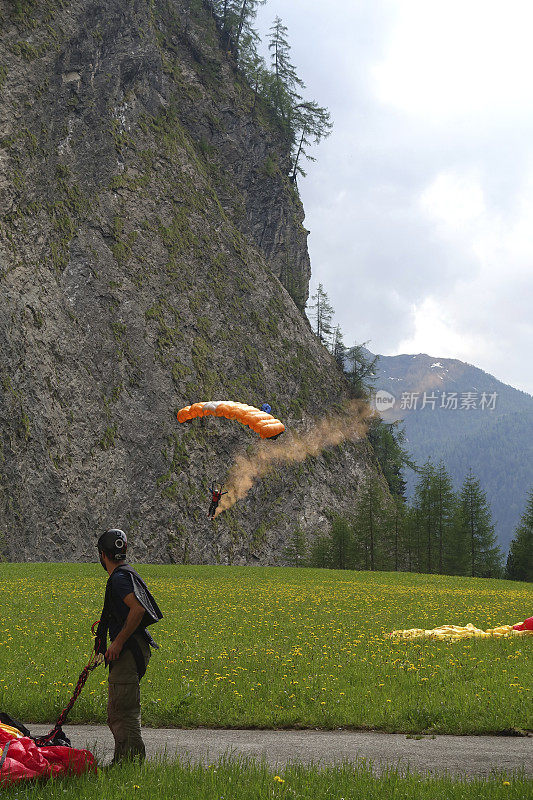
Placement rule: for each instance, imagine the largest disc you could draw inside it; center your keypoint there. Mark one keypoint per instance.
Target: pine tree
(236, 19)
(408, 538)
(388, 442)
(226, 11)
(287, 84)
(305, 122)
(321, 552)
(368, 526)
(341, 544)
(520, 559)
(246, 15)
(445, 500)
(414, 539)
(338, 348)
(311, 124)
(296, 551)
(474, 521)
(458, 558)
(255, 69)
(321, 314)
(361, 370)
(398, 534)
(426, 504)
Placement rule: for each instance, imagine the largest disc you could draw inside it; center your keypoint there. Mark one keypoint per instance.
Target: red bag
(69, 760)
(21, 759)
(526, 625)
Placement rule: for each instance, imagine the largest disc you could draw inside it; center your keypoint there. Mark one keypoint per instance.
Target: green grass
(265, 647)
(246, 780)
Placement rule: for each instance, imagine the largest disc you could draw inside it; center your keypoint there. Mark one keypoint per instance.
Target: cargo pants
(124, 704)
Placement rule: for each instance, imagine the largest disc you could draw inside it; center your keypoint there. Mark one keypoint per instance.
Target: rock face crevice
(152, 253)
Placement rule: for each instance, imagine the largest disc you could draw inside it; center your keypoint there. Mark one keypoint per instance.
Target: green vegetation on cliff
(152, 240)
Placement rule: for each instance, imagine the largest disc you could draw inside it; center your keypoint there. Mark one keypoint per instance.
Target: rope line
(93, 662)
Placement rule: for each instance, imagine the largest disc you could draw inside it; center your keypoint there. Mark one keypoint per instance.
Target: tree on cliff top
(338, 348)
(321, 314)
(286, 83)
(361, 370)
(305, 121)
(312, 123)
(236, 20)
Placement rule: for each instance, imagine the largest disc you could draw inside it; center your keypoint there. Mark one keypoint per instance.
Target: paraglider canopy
(260, 422)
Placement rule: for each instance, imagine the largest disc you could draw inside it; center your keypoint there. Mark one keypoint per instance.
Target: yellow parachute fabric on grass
(14, 732)
(455, 633)
(259, 421)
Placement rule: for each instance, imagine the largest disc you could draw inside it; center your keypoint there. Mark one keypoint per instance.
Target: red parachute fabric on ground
(526, 625)
(24, 760)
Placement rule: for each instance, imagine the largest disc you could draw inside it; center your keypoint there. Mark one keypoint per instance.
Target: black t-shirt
(121, 585)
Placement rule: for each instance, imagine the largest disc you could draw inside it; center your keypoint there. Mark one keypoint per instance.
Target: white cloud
(452, 58)
(454, 200)
(420, 204)
(484, 315)
(437, 332)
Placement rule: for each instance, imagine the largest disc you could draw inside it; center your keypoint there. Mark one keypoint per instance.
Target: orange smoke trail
(351, 423)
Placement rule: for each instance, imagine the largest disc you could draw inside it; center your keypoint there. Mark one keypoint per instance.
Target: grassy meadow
(266, 647)
(242, 780)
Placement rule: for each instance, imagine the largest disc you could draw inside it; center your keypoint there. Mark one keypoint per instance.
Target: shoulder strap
(103, 625)
(4, 753)
(140, 663)
(144, 596)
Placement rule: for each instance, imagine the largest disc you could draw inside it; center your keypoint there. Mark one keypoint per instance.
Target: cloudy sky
(420, 204)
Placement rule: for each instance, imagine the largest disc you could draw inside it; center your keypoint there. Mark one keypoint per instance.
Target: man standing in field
(128, 609)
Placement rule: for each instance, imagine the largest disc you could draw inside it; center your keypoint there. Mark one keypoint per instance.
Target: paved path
(457, 755)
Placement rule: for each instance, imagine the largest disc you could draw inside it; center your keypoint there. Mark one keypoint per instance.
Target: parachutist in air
(216, 494)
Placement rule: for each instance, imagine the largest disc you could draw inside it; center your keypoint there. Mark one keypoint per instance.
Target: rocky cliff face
(152, 253)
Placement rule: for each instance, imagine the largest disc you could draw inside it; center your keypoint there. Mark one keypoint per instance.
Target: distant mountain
(465, 417)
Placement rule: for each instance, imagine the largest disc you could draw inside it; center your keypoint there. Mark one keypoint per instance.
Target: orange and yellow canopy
(259, 421)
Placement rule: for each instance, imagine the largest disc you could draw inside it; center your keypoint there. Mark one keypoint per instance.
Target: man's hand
(114, 650)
